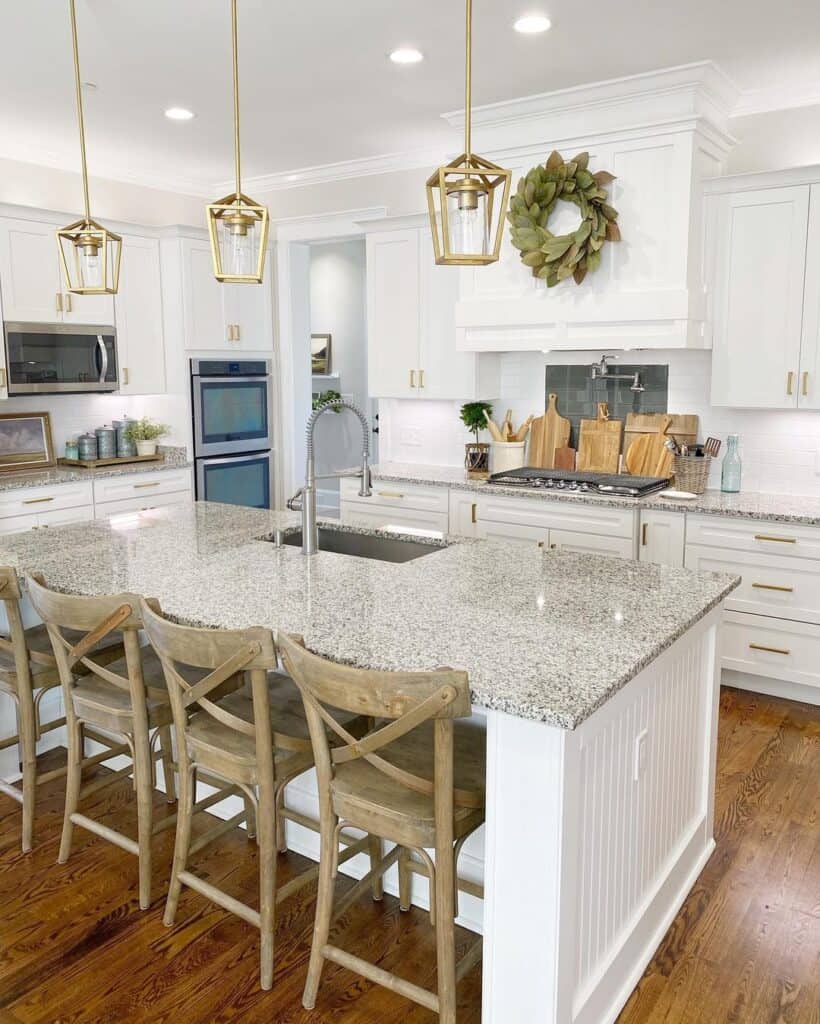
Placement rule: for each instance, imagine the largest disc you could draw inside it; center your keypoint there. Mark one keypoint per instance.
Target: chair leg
(405, 879)
(281, 838)
(266, 840)
(167, 752)
(250, 816)
(74, 775)
(185, 813)
(143, 780)
(445, 933)
(324, 913)
(376, 854)
(28, 756)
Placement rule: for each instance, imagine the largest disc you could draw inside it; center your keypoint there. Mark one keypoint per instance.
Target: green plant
(324, 397)
(472, 416)
(145, 430)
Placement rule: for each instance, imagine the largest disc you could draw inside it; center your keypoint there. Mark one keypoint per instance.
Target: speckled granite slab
(776, 508)
(546, 636)
(174, 458)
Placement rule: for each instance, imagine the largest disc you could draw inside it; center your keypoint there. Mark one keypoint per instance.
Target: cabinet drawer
(396, 495)
(590, 543)
(741, 535)
(784, 588)
(771, 647)
(105, 509)
(141, 485)
(610, 522)
(381, 517)
(33, 500)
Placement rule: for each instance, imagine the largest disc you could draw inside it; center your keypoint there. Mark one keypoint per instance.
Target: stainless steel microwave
(60, 358)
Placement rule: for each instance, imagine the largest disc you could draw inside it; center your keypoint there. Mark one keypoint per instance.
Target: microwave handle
(103, 358)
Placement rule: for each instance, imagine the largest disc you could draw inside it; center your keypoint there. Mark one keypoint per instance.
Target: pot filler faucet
(304, 500)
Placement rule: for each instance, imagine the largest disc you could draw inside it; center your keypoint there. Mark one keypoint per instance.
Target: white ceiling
(317, 87)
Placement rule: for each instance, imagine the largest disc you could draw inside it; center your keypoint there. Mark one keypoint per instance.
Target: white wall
(337, 307)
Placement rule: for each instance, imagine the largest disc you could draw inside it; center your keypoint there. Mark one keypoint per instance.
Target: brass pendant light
(238, 226)
(466, 220)
(90, 255)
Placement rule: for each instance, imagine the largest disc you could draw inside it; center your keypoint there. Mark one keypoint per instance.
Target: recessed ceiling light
(531, 24)
(179, 114)
(406, 55)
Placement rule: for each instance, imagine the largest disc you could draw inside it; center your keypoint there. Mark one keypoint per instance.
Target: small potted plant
(145, 434)
(476, 455)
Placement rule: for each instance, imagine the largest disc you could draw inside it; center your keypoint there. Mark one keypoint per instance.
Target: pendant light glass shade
(467, 199)
(90, 255)
(237, 225)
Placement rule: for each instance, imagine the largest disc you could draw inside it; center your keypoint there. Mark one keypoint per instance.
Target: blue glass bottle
(731, 467)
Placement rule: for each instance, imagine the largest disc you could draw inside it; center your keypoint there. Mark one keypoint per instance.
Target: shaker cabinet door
(759, 298)
(808, 396)
(204, 300)
(393, 304)
(29, 272)
(139, 318)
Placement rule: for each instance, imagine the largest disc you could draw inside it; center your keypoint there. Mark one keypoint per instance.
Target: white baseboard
(771, 687)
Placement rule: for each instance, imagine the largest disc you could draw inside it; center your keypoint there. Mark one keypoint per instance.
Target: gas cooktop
(577, 481)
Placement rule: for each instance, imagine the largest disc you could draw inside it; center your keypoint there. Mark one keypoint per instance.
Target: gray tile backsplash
(579, 395)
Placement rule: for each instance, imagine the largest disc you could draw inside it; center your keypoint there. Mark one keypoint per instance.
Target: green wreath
(554, 258)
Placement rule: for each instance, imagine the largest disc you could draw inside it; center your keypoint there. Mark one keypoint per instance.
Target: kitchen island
(596, 677)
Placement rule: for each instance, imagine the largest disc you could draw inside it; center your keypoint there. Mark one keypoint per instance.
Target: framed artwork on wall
(25, 441)
(320, 353)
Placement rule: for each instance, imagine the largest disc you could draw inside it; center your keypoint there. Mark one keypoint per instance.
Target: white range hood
(661, 134)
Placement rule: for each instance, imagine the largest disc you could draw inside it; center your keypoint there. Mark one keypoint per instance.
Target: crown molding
(767, 101)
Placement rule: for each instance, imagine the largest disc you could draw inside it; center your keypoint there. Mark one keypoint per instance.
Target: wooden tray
(97, 463)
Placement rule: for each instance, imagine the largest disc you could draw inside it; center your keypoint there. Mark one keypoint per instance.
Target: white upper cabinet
(758, 300)
(808, 390)
(138, 308)
(31, 280)
(411, 333)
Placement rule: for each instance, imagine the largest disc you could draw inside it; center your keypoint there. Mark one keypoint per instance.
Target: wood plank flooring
(745, 948)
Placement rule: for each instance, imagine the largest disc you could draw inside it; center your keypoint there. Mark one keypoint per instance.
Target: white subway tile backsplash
(779, 449)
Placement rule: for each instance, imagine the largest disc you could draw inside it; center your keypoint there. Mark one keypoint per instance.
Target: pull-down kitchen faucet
(304, 500)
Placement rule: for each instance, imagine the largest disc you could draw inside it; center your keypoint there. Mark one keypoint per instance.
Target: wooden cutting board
(547, 433)
(684, 428)
(599, 447)
(647, 455)
(564, 458)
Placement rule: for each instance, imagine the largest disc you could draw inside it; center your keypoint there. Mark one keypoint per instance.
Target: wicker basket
(692, 472)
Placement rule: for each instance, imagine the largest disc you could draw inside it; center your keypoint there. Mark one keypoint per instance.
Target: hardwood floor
(745, 948)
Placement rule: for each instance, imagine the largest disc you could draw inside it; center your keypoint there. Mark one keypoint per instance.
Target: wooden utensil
(564, 458)
(712, 446)
(506, 426)
(600, 443)
(492, 426)
(548, 432)
(683, 428)
(647, 456)
(523, 430)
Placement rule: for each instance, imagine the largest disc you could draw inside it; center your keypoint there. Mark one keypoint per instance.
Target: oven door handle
(103, 358)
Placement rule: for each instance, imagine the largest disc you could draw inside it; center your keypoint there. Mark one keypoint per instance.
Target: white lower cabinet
(662, 537)
(772, 648)
(411, 506)
(591, 543)
(115, 495)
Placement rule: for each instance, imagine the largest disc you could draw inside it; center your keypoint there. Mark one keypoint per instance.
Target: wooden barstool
(127, 698)
(257, 744)
(28, 670)
(382, 784)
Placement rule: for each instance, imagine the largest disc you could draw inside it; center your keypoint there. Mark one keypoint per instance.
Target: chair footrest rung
(470, 959)
(363, 884)
(216, 832)
(104, 832)
(380, 977)
(11, 790)
(222, 899)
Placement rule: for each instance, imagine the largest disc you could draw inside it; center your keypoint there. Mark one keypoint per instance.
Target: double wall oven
(232, 402)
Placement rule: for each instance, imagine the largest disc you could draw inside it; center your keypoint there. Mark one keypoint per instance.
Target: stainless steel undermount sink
(363, 545)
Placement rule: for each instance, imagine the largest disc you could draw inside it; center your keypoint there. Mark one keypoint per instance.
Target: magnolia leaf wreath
(554, 258)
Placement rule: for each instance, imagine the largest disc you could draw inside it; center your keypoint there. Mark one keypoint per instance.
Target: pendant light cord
(234, 37)
(80, 120)
(468, 85)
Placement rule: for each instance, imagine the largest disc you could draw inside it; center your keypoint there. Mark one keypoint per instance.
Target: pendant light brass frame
(86, 236)
(469, 177)
(237, 212)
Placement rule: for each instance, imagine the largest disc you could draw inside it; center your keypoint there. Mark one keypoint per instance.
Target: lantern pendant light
(238, 226)
(89, 254)
(468, 198)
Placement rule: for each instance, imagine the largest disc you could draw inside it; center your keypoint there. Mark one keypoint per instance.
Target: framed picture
(320, 353)
(25, 441)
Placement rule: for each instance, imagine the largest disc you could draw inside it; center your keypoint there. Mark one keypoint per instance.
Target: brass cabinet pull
(644, 531)
(390, 494)
(139, 487)
(805, 383)
(473, 510)
(236, 332)
(68, 302)
(2, 376)
(769, 650)
(541, 544)
(59, 302)
(773, 586)
(553, 547)
(412, 378)
(790, 382)
(776, 540)
(36, 501)
(125, 375)
(421, 378)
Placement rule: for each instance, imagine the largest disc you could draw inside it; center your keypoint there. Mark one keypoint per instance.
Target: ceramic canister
(87, 447)
(71, 449)
(106, 442)
(125, 448)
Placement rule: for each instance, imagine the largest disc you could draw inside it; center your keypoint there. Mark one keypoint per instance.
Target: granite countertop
(776, 508)
(548, 637)
(175, 458)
